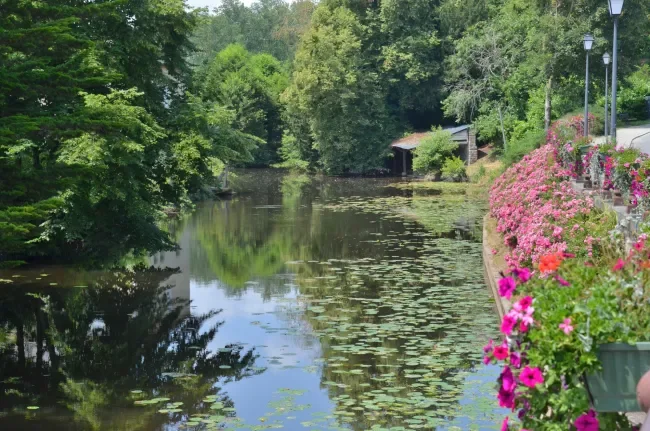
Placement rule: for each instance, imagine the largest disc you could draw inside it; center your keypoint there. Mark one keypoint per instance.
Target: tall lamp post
(589, 43)
(615, 9)
(606, 59)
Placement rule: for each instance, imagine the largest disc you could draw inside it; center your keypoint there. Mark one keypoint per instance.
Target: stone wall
(472, 149)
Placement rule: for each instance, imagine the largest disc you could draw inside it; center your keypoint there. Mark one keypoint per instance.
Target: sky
(212, 3)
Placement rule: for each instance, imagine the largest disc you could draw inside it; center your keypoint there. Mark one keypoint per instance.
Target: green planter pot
(614, 388)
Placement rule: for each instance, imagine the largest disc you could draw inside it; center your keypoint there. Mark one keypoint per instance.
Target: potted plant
(575, 340)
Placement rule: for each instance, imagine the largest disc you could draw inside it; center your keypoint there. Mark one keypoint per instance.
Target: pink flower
(515, 360)
(508, 324)
(562, 281)
(531, 377)
(566, 326)
(495, 251)
(488, 347)
(507, 287)
(619, 265)
(522, 274)
(504, 425)
(501, 352)
(525, 302)
(506, 399)
(527, 319)
(587, 422)
(486, 360)
(508, 382)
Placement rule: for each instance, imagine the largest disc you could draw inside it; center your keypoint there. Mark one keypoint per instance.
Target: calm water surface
(301, 304)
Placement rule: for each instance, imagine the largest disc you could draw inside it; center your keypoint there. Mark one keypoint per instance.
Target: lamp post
(589, 43)
(615, 9)
(606, 59)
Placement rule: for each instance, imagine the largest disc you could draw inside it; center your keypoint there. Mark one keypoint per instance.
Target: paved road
(625, 135)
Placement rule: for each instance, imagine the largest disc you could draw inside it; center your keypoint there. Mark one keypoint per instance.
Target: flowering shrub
(538, 211)
(559, 318)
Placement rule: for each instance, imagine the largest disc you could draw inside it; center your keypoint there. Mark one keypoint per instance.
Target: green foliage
(249, 86)
(342, 100)
(518, 148)
(523, 58)
(633, 93)
(97, 138)
(454, 170)
(430, 155)
(267, 26)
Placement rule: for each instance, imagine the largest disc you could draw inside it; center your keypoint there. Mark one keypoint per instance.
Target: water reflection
(92, 346)
(301, 303)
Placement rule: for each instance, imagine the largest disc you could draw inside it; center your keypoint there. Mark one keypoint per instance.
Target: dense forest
(116, 112)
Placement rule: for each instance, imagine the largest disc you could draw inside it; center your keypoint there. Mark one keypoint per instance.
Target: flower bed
(538, 212)
(584, 289)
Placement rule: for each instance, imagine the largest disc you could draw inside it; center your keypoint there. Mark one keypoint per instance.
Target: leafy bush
(516, 150)
(631, 96)
(454, 170)
(430, 155)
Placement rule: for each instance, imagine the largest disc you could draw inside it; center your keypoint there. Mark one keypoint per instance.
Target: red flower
(550, 262)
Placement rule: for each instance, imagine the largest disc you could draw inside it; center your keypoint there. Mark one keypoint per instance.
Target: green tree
(249, 86)
(343, 100)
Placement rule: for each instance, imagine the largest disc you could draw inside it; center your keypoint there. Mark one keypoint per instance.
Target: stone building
(403, 148)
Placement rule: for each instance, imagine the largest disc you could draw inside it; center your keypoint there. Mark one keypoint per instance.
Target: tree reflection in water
(92, 347)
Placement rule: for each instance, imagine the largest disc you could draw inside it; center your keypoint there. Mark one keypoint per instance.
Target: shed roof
(412, 141)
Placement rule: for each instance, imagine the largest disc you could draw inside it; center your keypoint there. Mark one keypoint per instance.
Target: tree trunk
(548, 107)
(36, 158)
(20, 341)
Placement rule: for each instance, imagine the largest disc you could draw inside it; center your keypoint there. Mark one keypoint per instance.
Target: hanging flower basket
(613, 389)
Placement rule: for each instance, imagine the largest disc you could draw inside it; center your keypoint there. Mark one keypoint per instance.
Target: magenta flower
(507, 287)
(508, 324)
(515, 360)
(488, 347)
(504, 425)
(562, 281)
(506, 399)
(566, 326)
(619, 265)
(531, 377)
(501, 352)
(508, 382)
(522, 274)
(587, 422)
(525, 302)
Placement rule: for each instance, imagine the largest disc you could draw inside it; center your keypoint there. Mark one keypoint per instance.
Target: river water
(301, 303)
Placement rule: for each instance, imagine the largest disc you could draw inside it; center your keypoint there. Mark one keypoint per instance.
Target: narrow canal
(299, 304)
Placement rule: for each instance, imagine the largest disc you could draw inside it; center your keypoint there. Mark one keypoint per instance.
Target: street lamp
(615, 9)
(589, 43)
(606, 59)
